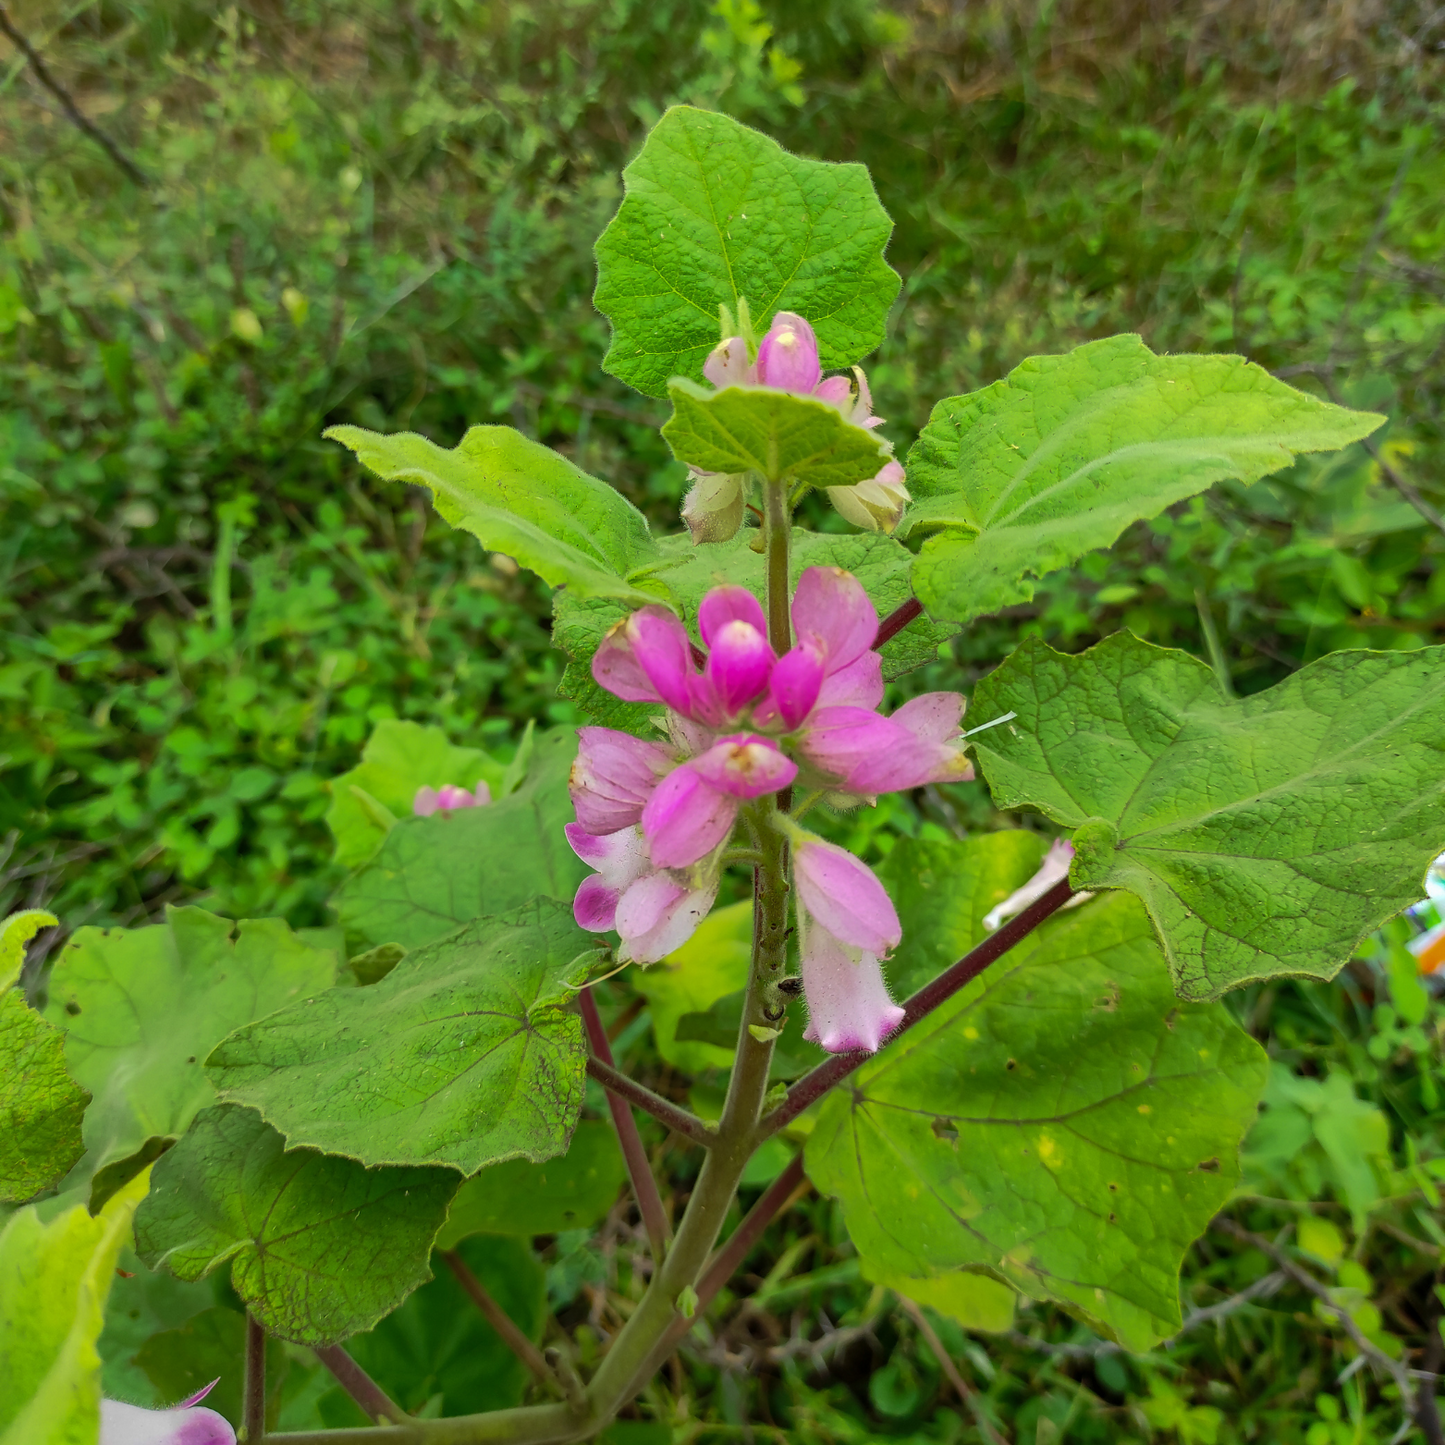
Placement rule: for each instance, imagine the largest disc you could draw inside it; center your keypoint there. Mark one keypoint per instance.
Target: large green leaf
(399, 757)
(571, 1192)
(432, 874)
(319, 1247)
(716, 213)
(879, 562)
(464, 1054)
(15, 932)
(41, 1106)
(143, 1007)
(439, 1344)
(1266, 836)
(781, 437)
(1060, 456)
(1047, 1127)
(54, 1279)
(521, 498)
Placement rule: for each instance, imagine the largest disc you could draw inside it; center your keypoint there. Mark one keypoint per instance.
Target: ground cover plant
(1318, 1140)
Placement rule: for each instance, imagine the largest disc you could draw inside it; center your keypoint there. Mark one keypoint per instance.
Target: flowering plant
(322, 1123)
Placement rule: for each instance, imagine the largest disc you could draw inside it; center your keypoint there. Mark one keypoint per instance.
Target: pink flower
(788, 356)
(184, 1424)
(447, 798)
(848, 1003)
(863, 753)
(614, 776)
(653, 911)
(842, 893)
(1054, 869)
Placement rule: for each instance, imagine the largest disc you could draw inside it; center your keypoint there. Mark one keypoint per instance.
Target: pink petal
(727, 364)
(842, 893)
(868, 754)
(613, 777)
(788, 355)
(685, 819)
(621, 858)
(796, 680)
(835, 390)
(738, 665)
(426, 802)
(1054, 869)
(831, 605)
(122, 1424)
(729, 604)
(205, 1389)
(663, 651)
(595, 906)
(933, 716)
(848, 1003)
(860, 684)
(744, 766)
(657, 915)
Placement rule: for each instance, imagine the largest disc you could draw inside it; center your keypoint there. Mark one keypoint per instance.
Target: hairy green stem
(777, 528)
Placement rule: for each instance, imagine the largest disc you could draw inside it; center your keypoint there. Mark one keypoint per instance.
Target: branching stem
(501, 1322)
(664, 1110)
(360, 1386)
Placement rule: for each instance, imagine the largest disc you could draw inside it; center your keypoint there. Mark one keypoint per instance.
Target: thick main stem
(253, 1385)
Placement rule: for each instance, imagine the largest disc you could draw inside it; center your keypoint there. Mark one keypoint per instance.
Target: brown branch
(253, 1399)
(896, 621)
(639, 1167)
(501, 1321)
(73, 111)
(376, 1403)
(812, 1086)
(664, 1110)
(946, 1364)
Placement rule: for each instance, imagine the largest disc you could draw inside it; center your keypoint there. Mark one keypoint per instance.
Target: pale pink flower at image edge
(1054, 869)
(447, 798)
(183, 1424)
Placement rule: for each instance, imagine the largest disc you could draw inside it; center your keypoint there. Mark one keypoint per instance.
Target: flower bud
(447, 798)
(713, 508)
(788, 355)
(876, 505)
(727, 364)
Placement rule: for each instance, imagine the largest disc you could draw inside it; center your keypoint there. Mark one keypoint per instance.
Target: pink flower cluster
(654, 817)
(788, 361)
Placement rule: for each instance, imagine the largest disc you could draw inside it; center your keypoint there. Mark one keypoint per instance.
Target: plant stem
(777, 526)
(501, 1321)
(360, 1386)
(639, 1166)
(664, 1110)
(812, 1086)
(896, 621)
(253, 1399)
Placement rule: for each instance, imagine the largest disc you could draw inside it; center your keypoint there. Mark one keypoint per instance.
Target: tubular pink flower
(1054, 869)
(686, 818)
(613, 777)
(788, 355)
(646, 658)
(848, 1003)
(728, 604)
(447, 798)
(736, 672)
(842, 893)
(744, 766)
(183, 1424)
(796, 681)
(727, 364)
(861, 752)
(860, 684)
(831, 606)
(658, 914)
(620, 860)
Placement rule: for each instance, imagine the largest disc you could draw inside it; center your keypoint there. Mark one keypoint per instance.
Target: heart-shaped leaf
(716, 213)
(1266, 836)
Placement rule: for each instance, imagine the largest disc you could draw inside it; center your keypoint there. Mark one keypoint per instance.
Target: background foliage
(382, 214)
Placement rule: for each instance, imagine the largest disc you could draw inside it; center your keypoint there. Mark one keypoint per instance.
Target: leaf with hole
(715, 213)
(318, 1247)
(465, 1054)
(1266, 836)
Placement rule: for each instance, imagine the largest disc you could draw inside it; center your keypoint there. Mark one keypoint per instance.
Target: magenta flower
(448, 798)
(613, 777)
(184, 1424)
(654, 911)
(842, 893)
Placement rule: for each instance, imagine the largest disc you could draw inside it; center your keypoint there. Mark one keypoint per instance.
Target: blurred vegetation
(383, 213)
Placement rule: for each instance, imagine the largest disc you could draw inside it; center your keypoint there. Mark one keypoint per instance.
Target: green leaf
(54, 1279)
(15, 932)
(974, 1300)
(570, 1192)
(880, 563)
(464, 1054)
(1065, 452)
(319, 1247)
(41, 1106)
(1266, 836)
(715, 213)
(431, 874)
(521, 498)
(143, 1007)
(1044, 1127)
(399, 757)
(781, 437)
(438, 1343)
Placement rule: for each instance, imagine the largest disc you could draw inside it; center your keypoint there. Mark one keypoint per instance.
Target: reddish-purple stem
(896, 621)
(679, 1120)
(644, 1185)
(500, 1320)
(253, 1384)
(812, 1086)
(360, 1386)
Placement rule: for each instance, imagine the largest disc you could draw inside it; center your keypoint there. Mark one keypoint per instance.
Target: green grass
(383, 214)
